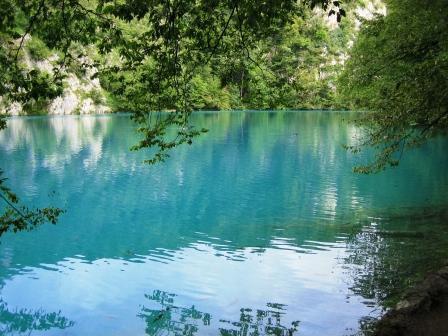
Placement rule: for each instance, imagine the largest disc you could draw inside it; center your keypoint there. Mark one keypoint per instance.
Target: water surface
(259, 227)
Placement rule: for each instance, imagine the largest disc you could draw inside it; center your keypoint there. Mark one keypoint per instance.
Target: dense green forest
(294, 67)
(398, 71)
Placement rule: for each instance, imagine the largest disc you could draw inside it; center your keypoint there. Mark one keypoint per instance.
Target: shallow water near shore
(259, 227)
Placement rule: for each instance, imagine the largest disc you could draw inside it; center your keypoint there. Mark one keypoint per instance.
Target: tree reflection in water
(27, 320)
(260, 322)
(390, 254)
(169, 319)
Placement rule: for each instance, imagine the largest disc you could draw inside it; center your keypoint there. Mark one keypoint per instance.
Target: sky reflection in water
(259, 226)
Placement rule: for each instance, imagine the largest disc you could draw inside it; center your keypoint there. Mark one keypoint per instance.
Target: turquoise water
(258, 227)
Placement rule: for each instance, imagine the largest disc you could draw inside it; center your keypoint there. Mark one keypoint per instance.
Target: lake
(258, 228)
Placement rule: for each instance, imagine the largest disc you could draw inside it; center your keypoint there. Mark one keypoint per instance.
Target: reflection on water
(26, 321)
(392, 253)
(257, 226)
(166, 317)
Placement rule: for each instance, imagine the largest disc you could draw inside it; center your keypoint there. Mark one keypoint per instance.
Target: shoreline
(423, 311)
(195, 111)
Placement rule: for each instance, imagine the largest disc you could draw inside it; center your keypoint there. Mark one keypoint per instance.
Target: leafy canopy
(398, 70)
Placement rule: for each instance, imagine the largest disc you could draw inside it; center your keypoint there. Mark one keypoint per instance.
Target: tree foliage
(17, 217)
(159, 48)
(398, 70)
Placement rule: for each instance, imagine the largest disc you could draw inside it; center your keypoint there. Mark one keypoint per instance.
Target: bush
(96, 95)
(38, 49)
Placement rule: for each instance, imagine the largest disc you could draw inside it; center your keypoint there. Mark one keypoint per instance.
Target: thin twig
(28, 29)
(15, 208)
(215, 47)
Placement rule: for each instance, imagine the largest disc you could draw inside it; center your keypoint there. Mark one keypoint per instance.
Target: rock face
(422, 312)
(78, 89)
(14, 109)
(74, 100)
(65, 104)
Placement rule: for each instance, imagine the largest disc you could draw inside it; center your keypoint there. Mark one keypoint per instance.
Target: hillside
(294, 68)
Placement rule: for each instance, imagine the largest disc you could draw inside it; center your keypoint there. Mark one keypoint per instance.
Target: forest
(168, 63)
